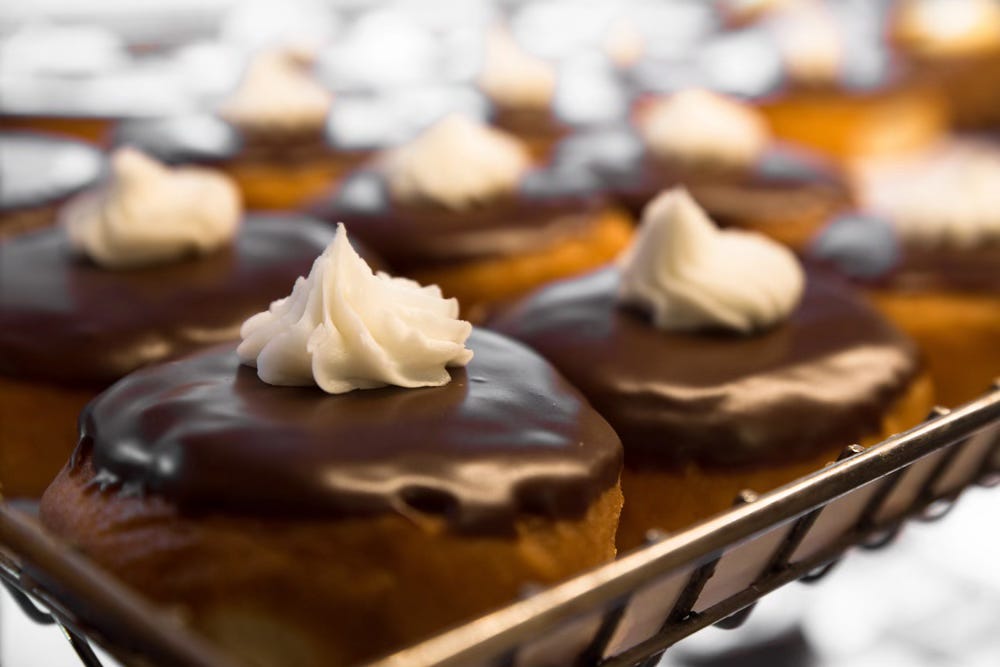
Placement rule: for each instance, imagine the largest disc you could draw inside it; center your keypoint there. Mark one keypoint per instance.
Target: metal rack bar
(27, 606)
(9, 575)
(81, 646)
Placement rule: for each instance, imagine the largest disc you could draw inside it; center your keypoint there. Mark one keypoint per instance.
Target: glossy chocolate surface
(823, 378)
(784, 182)
(550, 206)
(66, 320)
(37, 169)
(506, 437)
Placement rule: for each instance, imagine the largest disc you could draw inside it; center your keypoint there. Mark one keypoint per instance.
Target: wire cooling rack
(623, 614)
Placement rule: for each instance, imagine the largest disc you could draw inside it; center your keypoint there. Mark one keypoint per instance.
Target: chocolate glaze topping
(867, 249)
(823, 378)
(783, 179)
(507, 436)
(67, 320)
(37, 169)
(550, 205)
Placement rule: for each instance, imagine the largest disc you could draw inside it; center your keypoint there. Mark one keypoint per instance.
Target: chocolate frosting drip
(783, 179)
(507, 436)
(824, 378)
(37, 169)
(67, 320)
(550, 205)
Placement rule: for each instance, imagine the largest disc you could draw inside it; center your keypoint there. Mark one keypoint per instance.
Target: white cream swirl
(701, 127)
(457, 163)
(691, 275)
(948, 196)
(345, 328)
(278, 92)
(149, 214)
(513, 78)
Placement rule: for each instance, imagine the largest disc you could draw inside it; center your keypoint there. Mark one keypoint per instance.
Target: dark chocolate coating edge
(507, 437)
(68, 321)
(825, 378)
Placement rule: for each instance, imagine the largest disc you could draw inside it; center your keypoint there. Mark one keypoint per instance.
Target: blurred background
(397, 65)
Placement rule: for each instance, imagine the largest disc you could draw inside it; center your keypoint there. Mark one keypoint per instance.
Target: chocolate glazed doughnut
(704, 415)
(787, 194)
(69, 328)
(320, 529)
(546, 209)
(553, 226)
